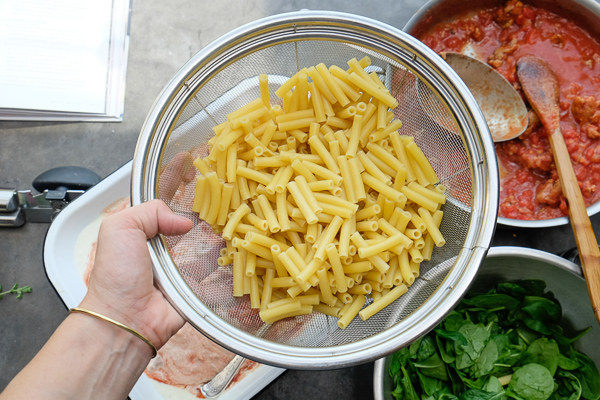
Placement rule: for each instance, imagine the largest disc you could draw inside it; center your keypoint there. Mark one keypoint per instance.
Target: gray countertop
(164, 35)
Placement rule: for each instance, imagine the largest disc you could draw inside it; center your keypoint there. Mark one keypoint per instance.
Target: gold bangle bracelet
(120, 325)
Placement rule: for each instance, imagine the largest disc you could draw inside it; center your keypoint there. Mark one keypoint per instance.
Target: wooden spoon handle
(585, 238)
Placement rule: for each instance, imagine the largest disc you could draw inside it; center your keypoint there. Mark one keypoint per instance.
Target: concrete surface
(164, 35)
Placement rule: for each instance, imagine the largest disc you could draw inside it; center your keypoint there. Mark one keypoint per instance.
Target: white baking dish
(66, 251)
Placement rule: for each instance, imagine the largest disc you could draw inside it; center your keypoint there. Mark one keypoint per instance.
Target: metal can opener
(57, 188)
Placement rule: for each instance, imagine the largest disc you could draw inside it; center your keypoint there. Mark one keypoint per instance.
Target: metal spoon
(503, 109)
(219, 382)
(216, 385)
(540, 85)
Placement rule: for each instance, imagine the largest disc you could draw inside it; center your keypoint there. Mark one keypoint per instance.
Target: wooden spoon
(540, 85)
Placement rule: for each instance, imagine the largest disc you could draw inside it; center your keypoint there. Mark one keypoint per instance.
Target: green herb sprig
(504, 344)
(19, 291)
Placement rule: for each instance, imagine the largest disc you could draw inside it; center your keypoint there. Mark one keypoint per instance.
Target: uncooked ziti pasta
(322, 202)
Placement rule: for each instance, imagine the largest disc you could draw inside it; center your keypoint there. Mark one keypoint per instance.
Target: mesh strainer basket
(223, 77)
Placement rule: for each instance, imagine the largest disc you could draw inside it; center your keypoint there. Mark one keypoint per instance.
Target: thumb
(170, 223)
(155, 217)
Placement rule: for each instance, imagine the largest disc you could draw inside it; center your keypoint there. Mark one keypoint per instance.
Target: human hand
(121, 284)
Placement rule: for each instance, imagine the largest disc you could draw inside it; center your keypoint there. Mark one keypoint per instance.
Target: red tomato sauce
(530, 189)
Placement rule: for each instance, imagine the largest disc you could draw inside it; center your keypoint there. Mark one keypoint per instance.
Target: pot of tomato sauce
(564, 33)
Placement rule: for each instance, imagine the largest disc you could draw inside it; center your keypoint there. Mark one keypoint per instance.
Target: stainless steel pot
(585, 12)
(562, 277)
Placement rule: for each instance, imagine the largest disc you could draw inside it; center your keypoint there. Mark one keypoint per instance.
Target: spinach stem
(523, 338)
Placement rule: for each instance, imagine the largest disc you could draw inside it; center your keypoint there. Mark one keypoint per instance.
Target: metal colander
(223, 77)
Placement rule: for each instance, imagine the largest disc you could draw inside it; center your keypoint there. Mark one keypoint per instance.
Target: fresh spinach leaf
(477, 394)
(566, 363)
(446, 349)
(429, 385)
(447, 396)
(454, 321)
(512, 289)
(492, 316)
(533, 287)
(409, 392)
(486, 360)
(414, 347)
(502, 342)
(492, 301)
(469, 383)
(588, 376)
(477, 336)
(457, 384)
(527, 335)
(537, 325)
(451, 335)
(463, 360)
(531, 382)
(568, 386)
(433, 367)
(542, 308)
(426, 349)
(544, 352)
(507, 360)
(493, 385)
(399, 359)
(398, 392)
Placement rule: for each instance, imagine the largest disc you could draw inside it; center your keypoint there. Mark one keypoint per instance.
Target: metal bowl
(585, 12)
(562, 277)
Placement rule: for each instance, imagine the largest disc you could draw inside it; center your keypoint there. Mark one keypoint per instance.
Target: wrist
(130, 321)
(97, 360)
(115, 358)
(117, 324)
(108, 340)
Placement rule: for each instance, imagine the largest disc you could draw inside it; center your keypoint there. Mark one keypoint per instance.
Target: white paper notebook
(63, 59)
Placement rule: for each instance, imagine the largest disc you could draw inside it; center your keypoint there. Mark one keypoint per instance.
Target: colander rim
(372, 347)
